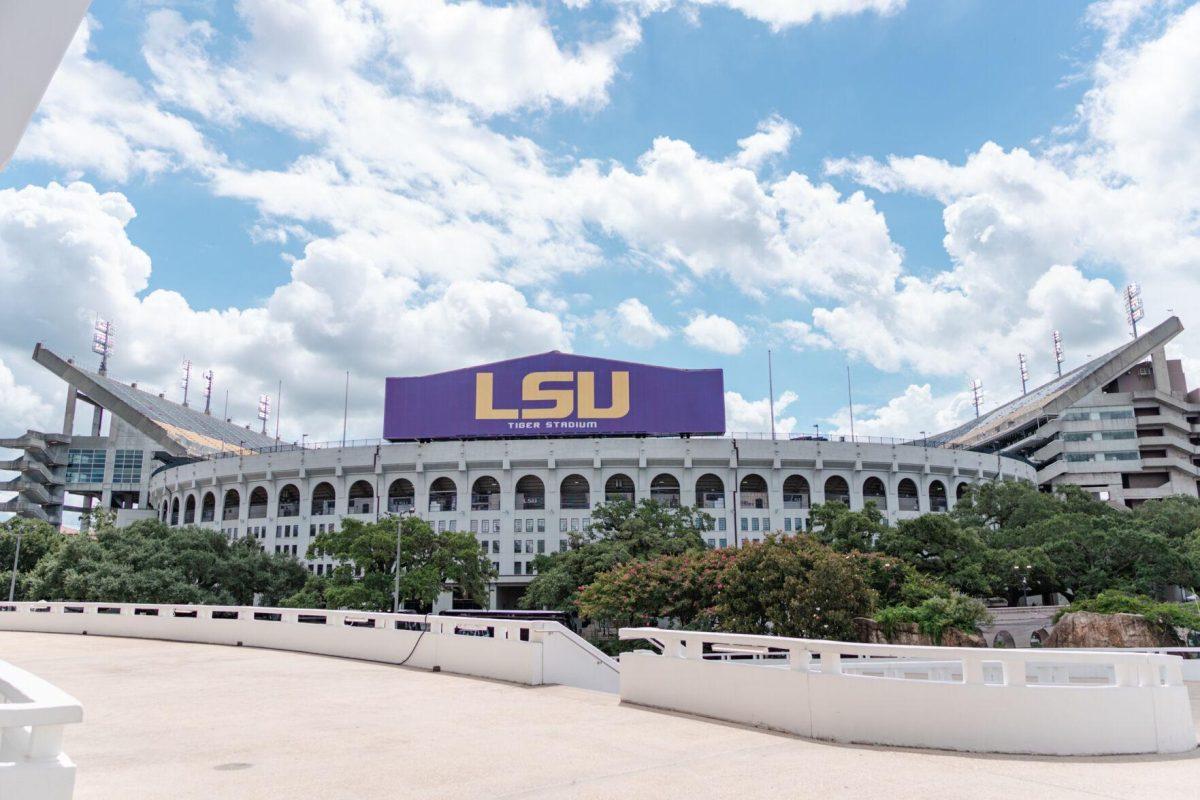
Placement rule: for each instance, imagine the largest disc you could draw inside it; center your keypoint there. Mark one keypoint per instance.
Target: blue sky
(638, 228)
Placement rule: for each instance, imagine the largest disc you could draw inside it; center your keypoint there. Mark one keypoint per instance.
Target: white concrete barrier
(1049, 702)
(32, 715)
(531, 652)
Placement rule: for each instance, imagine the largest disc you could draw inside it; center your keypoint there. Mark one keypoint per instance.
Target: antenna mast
(208, 379)
(1133, 306)
(1024, 370)
(264, 410)
(186, 379)
(976, 394)
(103, 337)
(1058, 351)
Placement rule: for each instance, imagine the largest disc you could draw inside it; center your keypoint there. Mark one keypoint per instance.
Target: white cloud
(631, 322)
(339, 311)
(754, 416)
(773, 138)
(800, 335)
(715, 333)
(917, 409)
(96, 118)
(782, 14)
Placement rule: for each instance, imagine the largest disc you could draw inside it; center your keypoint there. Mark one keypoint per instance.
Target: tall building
(1123, 426)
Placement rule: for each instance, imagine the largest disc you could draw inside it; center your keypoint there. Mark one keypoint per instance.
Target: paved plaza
(170, 720)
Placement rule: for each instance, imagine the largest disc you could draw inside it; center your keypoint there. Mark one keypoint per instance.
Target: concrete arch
(324, 500)
(837, 490)
(797, 492)
(754, 492)
(288, 502)
(189, 510)
(529, 494)
(574, 493)
(1003, 639)
(907, 496)
(710, 491)
(259, 504)
(175, 511)
(231, 505)
(664, 489)
(208, 507)
(401, 496)
(620, 488)
(936, 493)
(443, 495)
(361, 497)
(485, 493)
(874, 490)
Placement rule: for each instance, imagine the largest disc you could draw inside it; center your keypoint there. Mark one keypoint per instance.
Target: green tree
(845, 530)
(149, 562)
(619, 532)
(793, 586)
(38, 539)
(938, 546)
(935, 615)
(430, 563)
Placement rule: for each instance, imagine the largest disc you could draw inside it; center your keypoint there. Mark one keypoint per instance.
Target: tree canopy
(619, 532)
(150, 562)
(430, 563)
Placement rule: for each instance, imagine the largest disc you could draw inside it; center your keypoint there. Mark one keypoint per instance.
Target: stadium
(516, 452)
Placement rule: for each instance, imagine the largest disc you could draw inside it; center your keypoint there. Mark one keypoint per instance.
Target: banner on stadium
(555, 394)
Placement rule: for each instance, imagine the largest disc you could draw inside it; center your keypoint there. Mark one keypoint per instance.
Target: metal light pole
(12, 584)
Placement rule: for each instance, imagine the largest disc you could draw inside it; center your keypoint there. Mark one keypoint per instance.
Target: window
(787, 524)
(495, 526)
(1077, 436)
(585, 522)
(529, 525)
(754, 524)
(541, 545)
(720, 523)
(516, 568)
(1081, 456)
(496, 548)
(483, 546)
(562, 524)
(562, 545)
(441, 526)
(474, 526)
(516, 545)
(85, 466)
(766, 523)
(799, 522)
(529, 545)
(723, 542)
(127, 466)
(1109, 435)
(541, 526)
(574, 523)
(496, 566)
(712, 542)
(453, 526)
(1121, 456)
(517, 526)
(745, 524)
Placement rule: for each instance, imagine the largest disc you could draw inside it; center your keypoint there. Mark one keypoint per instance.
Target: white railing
(531, 652)
(32, 716)
(1052, 702)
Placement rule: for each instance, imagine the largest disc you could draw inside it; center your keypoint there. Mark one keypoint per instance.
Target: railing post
(831, 662)
(799, 658)
(45, 742)
(972, 670)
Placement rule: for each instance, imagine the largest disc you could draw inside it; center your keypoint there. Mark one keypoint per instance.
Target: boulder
(871, 632)
(1088, 629)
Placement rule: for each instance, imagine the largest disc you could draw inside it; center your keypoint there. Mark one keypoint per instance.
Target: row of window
(1097, 436)
(87, 466)
(1119, 456)
(443, 496)
(1079, 414)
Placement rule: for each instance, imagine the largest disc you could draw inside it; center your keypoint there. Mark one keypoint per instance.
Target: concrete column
(1158, 364)
(69, 412)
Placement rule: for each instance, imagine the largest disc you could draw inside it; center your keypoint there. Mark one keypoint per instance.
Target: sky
(913, 190)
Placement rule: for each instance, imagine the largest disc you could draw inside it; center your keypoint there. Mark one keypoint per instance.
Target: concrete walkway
(169, 720)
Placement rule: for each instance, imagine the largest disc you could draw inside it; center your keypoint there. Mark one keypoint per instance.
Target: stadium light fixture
(186, 379)
(104, 335)
(264, 410)
(976, 394)
(1133, 306)
(208, 380)
(1058, 351)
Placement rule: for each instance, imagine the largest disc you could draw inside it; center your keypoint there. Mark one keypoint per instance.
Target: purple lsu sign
(555, 394)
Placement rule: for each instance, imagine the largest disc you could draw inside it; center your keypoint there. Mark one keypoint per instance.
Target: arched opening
(906, 495)
(401, 496)
(362, 498)
(189, 510)
(531, 494)
(796, 493)
(960, 491)
(162, 514)
(208, 508)
(710, 491)
(324, 499)
(664, 490)
(231, 506)
(1038, 638)
(1003, 639)
(175, 511)
(485, 494)
(752, 492)
(619, 489)
(837, 490)
(937, 496)
(289, 501)
(574, 493)
(258, 503)
(443, 495)
(875, 492)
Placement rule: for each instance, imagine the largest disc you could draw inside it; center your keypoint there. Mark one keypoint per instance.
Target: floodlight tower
(1024, 362)
(186, 379)
(264, 410)
(1058, 351)
(208, 379)
(976, 394)
(1133, 306)
(104, 335)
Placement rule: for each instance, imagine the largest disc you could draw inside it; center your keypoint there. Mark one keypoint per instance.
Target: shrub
(935, 614)
(1168, 615)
